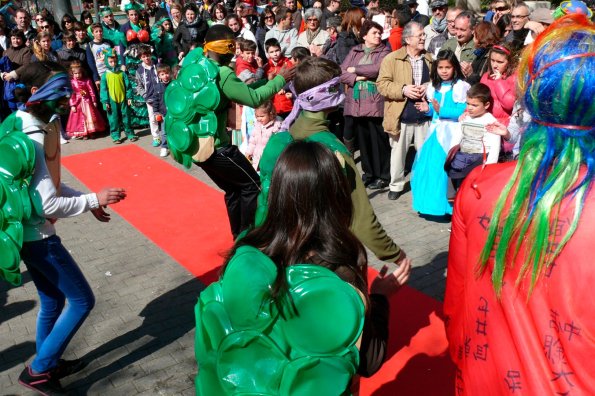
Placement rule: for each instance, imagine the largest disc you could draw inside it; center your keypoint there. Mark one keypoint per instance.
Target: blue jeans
(57, 279)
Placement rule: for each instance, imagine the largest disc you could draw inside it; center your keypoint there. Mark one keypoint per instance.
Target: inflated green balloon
(191, 100)
(245, 345)
(17, 162)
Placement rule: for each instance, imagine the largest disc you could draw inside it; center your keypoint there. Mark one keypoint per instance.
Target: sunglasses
(441, 8)
(44, 27)
(503, 8)
(269, 17)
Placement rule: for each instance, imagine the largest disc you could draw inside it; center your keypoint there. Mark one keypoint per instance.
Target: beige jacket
(395, 73)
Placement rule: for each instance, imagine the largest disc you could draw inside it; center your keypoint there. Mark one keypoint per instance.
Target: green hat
(105, 11)
(133, 6)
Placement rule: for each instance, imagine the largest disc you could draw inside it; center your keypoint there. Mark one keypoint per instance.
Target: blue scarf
(58, 86)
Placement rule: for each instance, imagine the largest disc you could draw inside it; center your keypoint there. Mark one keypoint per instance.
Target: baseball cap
(438, 3)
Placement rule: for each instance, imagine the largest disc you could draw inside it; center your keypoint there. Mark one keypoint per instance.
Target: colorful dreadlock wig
(557, 86)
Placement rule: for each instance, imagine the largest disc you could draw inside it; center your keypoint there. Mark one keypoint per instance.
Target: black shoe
(394, 195)
(133, 138)
(378, 184)
(67, 367)
(43, 383)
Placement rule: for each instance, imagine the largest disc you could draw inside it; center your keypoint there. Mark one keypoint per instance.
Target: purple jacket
(370, 106)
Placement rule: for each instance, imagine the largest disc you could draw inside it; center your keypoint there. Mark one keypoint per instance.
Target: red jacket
(280, 101)
(541, 345)
(395, 38)
(242, 65)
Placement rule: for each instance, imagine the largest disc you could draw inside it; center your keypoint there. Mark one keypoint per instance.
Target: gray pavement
(139, 337)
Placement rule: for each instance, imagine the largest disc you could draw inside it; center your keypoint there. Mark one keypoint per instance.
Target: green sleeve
(237, 91)
(365, 224)
(103, 94)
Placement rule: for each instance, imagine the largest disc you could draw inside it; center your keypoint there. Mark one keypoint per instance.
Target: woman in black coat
(190, 32)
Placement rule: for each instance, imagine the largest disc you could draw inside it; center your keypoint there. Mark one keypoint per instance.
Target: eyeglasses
(269, 17)
(519, 16)
(450, 21)
(312, 20)
(44, 27)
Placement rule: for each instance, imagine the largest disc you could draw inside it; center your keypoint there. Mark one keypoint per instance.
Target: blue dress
(428, 179)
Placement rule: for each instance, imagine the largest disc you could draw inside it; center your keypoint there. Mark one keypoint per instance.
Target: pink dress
(87, 119)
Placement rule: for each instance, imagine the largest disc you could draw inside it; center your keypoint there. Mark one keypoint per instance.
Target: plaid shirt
(417, 66)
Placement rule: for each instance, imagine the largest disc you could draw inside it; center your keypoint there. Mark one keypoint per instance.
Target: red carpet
(187, 219)
(183, 216)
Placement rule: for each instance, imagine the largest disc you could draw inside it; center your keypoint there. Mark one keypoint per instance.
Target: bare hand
(535, 27)
(110, 196)
(466, 68)
(498, 128)
(496, 75)
(351, 69)
(287, 73)
(412, 92)
(108, 107)
(288, 95)
(101, 214)
(73, 109)
(259, 61)
(422, 106)
(129, 102)
(436, 106)
(388, 285)
(180, 55)
(463, 116)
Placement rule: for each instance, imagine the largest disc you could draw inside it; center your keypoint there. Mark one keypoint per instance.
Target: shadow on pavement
(166, 319)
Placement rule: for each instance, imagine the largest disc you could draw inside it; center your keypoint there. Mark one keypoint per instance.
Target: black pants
(231, 172)
(374, 147)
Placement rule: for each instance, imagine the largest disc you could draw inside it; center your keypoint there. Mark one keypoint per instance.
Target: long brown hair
(309, 215)
(352, 20)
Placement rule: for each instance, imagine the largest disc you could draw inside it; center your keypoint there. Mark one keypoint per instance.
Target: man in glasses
(438, 22)
(519, 16)
(462, 45)
(436, 43)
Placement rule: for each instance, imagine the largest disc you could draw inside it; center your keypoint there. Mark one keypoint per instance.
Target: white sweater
(68, 203)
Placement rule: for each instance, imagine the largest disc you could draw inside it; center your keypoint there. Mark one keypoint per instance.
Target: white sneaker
(163, 152)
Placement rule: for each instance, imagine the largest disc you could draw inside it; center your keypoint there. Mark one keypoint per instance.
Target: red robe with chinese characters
(541, 345)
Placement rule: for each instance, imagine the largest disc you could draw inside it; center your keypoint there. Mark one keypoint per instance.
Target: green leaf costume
(17, 162)
(248, 344)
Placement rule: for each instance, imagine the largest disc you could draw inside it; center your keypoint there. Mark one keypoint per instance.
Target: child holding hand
(84, 119)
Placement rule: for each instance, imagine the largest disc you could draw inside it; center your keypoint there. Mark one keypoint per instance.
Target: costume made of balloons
(17, 161)
(273, 150)
(246, 343)
(191, 100)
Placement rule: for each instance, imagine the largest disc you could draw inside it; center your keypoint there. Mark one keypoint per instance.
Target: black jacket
(183, 36)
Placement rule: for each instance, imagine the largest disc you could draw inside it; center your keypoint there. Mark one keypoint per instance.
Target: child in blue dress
(446, 102)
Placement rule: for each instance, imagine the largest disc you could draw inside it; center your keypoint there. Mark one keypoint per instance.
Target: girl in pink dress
(85, 119)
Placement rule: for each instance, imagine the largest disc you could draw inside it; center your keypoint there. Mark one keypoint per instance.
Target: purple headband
(321, 97)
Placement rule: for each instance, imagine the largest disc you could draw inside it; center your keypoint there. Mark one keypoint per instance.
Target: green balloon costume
(115, 90)
(191, 123)
(17, 162)
(246, 343)
(274, 148)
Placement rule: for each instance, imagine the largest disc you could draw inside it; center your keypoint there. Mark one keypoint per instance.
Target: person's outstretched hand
(388, 285)
(110, 196)
(101, 214)
(287, 73)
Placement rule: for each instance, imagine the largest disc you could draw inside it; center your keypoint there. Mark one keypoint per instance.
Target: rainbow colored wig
(557, 86)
